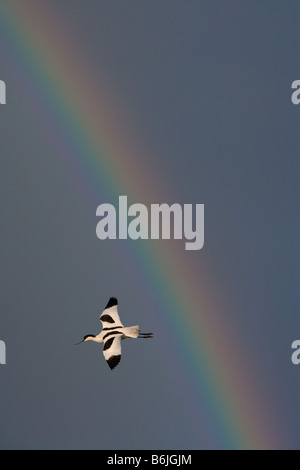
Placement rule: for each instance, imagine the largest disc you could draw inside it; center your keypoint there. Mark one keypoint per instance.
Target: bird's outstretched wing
(110, 317)
(112, 349)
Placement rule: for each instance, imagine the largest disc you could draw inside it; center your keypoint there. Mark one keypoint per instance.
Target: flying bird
(113, 332)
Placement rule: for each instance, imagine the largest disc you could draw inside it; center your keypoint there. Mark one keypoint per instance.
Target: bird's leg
(146, 335)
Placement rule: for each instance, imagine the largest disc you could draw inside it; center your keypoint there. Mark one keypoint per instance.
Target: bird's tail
(134, 332)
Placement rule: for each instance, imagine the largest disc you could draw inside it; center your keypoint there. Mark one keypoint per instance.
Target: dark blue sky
(207, 88)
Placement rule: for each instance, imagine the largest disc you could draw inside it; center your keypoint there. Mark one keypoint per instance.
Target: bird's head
(87, 338)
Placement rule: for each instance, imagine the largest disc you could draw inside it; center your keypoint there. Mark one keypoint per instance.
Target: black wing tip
(113, 361)
(112, 301)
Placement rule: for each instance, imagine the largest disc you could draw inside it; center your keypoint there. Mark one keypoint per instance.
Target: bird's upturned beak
(78, 343)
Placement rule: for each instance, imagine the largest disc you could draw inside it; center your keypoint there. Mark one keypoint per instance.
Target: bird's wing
(110, 317)
(112, 349)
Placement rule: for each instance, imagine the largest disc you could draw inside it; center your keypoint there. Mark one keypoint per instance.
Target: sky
(165, 102)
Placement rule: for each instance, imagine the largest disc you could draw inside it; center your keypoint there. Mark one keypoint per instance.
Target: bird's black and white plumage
(113, 332)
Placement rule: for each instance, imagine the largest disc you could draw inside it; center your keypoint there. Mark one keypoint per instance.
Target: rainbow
(103, 156)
